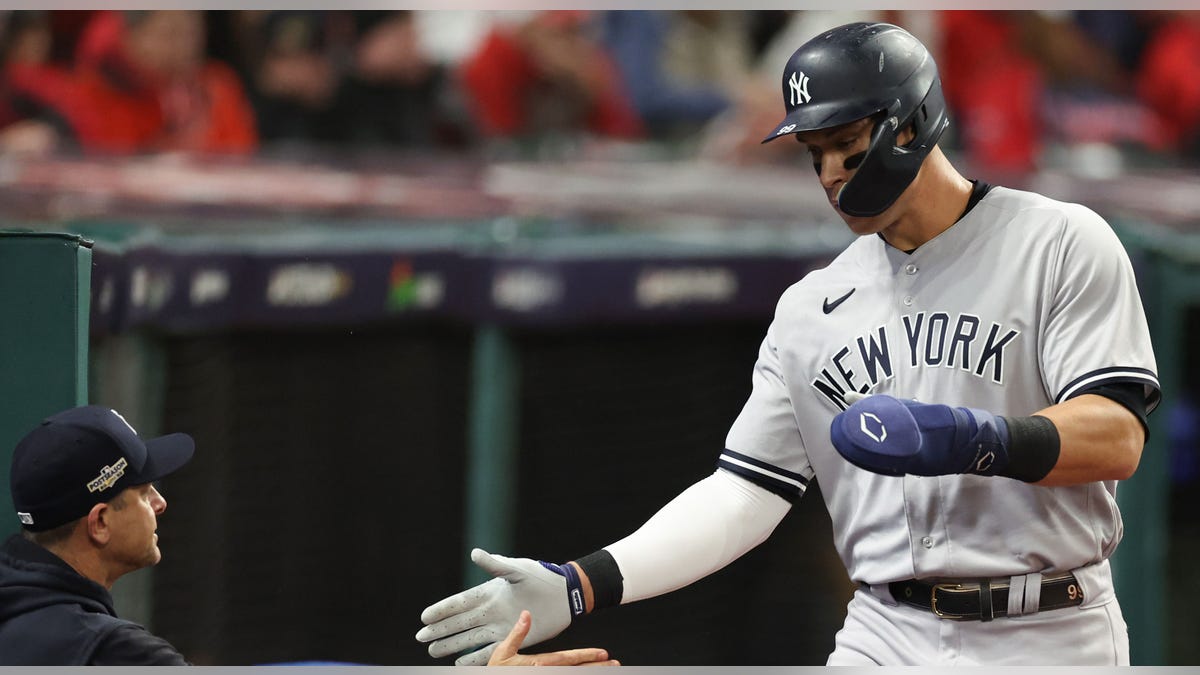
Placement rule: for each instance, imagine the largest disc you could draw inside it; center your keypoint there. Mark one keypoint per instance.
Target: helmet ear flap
(873, 188)
(887, 169)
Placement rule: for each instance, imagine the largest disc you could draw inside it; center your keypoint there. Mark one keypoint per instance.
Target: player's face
(836, 153)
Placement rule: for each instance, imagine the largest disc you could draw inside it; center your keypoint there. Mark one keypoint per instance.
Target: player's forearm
(706, 527)
(1098, 440)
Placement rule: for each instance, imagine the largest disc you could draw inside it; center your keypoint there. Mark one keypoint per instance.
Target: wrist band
(574, 591)
(1033, 449)
(575, 600)
(605, 577)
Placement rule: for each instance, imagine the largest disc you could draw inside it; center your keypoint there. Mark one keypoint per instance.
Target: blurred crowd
(1020, 84)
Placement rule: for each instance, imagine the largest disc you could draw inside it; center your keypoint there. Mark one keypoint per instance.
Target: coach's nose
(157, 501)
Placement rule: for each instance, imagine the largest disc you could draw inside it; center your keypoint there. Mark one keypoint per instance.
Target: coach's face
(133, 521)
(836, 153)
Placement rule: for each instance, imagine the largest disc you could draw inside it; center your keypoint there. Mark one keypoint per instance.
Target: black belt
(981, 600)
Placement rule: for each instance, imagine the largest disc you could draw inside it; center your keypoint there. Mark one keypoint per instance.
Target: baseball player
(968, 381)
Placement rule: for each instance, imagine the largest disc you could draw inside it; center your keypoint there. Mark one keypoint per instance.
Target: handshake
(527, 600)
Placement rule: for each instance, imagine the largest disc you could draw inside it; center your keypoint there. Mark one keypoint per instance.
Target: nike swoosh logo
(828, 306)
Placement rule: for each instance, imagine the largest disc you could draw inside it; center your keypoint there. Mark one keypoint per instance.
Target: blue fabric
(634, 39)
(894, 437)
(575, 599)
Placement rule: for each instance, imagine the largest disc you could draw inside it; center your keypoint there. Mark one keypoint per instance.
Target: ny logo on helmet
(799, 85)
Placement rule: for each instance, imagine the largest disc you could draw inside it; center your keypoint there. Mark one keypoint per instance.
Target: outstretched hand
(476, 619)
(506, 651)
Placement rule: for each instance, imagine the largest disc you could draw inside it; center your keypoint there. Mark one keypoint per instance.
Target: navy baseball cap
(84, 456)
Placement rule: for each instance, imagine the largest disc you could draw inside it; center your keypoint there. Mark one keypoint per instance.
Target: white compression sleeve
(708, 526)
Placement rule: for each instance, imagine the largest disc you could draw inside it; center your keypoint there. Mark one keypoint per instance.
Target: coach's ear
(99, 528)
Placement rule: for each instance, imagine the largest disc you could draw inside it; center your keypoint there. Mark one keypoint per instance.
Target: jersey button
(910, 269)
(927, 542)
(907, 301)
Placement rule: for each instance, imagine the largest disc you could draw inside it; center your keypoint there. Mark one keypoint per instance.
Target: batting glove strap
(988, 447)
(575, 601)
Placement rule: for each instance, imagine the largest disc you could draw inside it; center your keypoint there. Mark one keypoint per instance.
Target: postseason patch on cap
(109, 475)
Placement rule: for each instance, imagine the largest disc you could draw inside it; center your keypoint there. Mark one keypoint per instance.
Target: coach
(82, 488)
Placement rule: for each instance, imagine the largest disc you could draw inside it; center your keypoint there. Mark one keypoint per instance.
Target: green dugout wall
(45, 287)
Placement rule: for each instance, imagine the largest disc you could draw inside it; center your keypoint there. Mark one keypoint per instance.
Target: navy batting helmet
(868, 70)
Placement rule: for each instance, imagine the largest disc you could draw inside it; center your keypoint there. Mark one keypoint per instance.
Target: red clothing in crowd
(1169, 79)
(127, 108)
(40, 91)
(509, 93)
(210, 114)
(993, 88)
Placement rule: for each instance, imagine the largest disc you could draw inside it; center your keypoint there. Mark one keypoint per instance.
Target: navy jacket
(51, 615)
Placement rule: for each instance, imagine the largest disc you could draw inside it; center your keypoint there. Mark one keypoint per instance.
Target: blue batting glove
(893, 437)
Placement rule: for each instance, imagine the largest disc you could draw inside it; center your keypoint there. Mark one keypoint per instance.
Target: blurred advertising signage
(526, 289)
(410, 289)
(674, 286)
(209, 286)
(307, 285)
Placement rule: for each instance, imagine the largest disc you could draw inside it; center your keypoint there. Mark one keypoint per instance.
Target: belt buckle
(933, 601)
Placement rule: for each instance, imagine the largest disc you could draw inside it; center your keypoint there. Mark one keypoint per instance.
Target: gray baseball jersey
(1023, 303)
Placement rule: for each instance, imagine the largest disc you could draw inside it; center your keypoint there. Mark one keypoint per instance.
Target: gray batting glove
(483, 615)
